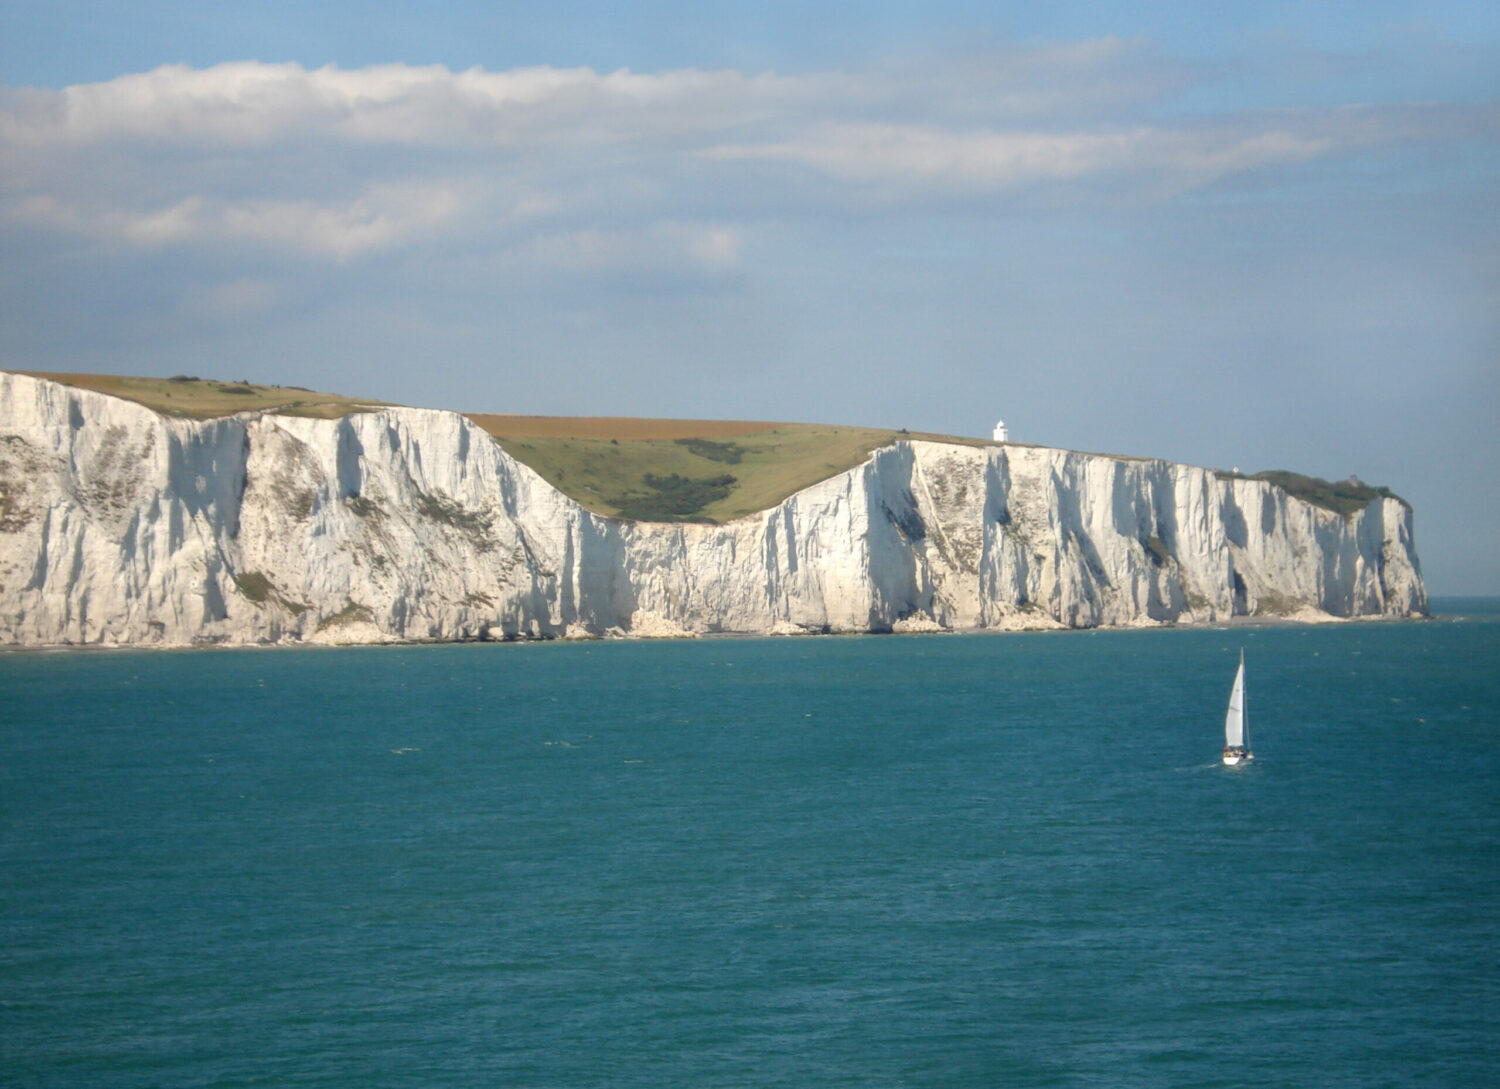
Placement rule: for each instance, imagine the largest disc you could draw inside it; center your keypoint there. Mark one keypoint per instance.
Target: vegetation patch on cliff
(475, 524)
(257, 588)
(1158, 551)
(1273, 603)
(1343, 497)
(190, 397)
(673, 498)
(604, 464)
(20, 466)
(111, 478)
(351, 613)
(731, 453)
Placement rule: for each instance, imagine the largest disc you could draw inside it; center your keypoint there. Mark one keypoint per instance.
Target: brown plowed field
(624, 428)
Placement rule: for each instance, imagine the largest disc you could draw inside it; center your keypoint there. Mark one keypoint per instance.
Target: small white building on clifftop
(1000, 433)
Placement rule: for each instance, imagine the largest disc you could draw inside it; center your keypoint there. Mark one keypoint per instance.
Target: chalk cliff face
(120, 526)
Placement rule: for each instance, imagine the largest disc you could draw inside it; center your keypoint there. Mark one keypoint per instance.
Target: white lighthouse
(1000, 431)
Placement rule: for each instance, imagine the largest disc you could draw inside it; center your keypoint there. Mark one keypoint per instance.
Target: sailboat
(1236, 749)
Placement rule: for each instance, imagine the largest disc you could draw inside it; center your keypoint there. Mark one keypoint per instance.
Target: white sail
(1234, 721)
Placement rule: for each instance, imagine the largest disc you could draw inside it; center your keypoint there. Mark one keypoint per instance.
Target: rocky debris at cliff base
(912, 625)
(649, 625)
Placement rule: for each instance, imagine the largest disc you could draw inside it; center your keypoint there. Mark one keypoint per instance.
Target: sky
(1242, 236)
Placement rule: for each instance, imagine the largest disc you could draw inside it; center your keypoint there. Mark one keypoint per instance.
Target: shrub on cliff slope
(1344, 497)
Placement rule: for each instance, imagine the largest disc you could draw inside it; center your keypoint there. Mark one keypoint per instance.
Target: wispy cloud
(340, 230)
(583, 169)
(940, 159)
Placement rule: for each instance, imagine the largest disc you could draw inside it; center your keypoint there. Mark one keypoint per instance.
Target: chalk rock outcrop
(121, 526)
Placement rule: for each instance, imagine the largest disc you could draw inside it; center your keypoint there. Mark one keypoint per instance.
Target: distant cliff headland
(182, 511)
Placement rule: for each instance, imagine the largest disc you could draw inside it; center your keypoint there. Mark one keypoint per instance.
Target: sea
(878, 861)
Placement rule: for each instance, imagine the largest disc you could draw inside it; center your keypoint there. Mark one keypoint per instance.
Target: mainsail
(1234, 721)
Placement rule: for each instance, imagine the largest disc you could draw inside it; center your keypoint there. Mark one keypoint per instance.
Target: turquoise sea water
(879, 861)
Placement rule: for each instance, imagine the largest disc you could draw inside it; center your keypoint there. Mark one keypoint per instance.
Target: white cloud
(249, 103)
(584, 169)
(987, 159)
(380, 218)
(959, 159)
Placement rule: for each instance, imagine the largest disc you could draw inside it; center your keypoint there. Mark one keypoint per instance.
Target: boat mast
(1244, 717)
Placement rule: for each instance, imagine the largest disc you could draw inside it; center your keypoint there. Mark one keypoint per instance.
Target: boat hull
(1233, 758)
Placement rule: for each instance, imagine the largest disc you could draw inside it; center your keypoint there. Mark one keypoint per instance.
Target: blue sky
(1263, 236)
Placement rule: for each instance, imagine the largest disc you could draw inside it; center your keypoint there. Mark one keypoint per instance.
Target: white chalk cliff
(121, 526)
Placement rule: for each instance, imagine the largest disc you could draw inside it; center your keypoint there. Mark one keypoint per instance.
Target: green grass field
(637, 473)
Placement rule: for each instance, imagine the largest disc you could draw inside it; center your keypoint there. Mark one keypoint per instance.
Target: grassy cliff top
(644, 469)
(193, 398)
(649, 470)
